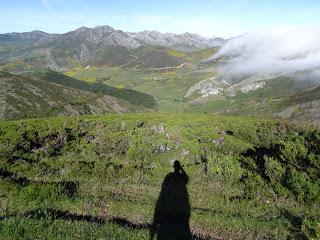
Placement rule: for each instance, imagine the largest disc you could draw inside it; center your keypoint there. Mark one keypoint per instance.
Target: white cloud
(279, 50)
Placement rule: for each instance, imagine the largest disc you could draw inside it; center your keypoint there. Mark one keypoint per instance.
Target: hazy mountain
(25, 36)
(101, 45)
(183, 42)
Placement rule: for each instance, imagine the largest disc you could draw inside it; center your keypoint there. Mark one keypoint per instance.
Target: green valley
(110, 134)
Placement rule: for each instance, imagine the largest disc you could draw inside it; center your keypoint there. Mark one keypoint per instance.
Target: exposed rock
(208, 87)
(244, 87)
(158, 128)
(218, 141)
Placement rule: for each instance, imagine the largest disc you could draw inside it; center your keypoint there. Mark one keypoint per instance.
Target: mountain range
(102, 45)
(246, 75)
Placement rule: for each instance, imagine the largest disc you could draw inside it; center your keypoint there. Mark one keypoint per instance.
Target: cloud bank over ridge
(276, 51)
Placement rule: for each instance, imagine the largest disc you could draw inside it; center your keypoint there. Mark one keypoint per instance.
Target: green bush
(273, 170)
(292, 152)
(312, 192)
(309, 228)
(318, 230)
(296, 182)
(254, 185)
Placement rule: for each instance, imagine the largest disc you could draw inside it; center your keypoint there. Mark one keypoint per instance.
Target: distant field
(99, 177)
(169, 87)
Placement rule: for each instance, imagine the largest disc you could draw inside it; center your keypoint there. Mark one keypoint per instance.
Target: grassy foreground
(99, 177)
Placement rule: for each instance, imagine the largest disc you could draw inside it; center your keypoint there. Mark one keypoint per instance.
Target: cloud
(284, 50)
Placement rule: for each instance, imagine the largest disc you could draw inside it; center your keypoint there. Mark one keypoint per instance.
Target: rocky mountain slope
(22, 97)
(279, 96)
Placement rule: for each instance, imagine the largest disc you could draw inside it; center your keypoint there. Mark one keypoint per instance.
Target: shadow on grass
(54, 214)
(174, 185)
(69, 188)
(296, 223)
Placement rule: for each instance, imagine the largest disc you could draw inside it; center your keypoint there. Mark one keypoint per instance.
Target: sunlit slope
(101, 176)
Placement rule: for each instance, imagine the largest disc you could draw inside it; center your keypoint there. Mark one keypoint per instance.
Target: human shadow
(171, 219)
(172, 211)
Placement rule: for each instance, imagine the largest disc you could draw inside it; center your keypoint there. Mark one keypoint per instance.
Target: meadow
(99, 177)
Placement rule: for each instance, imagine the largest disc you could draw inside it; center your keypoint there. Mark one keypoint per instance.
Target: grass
(30, 227)
(95, 177)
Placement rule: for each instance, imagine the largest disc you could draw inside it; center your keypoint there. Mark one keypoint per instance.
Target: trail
(163, 68)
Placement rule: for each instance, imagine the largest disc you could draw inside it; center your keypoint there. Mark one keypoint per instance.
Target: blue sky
(225, 18)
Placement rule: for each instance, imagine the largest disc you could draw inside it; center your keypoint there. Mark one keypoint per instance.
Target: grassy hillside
(135, 97)
(99, 177)
(25, 97)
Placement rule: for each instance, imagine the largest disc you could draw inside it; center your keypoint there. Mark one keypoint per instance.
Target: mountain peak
(80, 29)
(104, 28)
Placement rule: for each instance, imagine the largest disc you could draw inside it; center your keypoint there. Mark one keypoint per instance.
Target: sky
(220, 18)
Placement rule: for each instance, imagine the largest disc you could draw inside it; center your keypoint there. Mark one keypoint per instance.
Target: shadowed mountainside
(22, 97)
